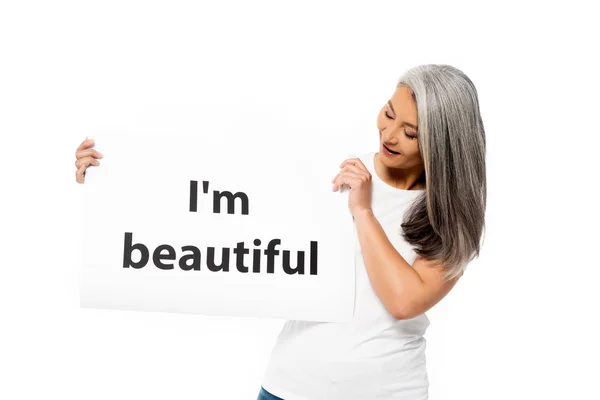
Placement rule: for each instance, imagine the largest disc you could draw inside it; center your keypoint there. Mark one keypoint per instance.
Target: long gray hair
(446, 222)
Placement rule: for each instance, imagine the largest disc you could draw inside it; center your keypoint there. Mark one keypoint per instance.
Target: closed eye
(406, 134)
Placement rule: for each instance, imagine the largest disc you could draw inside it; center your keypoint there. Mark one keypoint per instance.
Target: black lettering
(195, 257)
(240, 250)
(157, 256)
(128, 248)
(193, 196)
(210, 260)
(230, 201)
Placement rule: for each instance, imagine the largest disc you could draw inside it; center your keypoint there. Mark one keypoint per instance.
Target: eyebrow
(394, 111)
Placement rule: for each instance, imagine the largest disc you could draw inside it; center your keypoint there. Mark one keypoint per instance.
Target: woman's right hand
(86, 156)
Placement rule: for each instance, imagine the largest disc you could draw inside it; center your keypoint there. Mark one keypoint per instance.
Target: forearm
(392, 278)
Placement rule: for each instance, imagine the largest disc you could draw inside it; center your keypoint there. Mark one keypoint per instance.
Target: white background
(521, 324)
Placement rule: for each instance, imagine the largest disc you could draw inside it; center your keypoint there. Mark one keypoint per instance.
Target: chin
(385, 161)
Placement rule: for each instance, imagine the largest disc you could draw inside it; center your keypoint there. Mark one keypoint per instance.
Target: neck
(405, 179)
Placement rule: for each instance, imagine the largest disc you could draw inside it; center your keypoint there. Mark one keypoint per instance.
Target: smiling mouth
(388, 149)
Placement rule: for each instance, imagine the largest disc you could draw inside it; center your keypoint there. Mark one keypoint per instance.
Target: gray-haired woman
(419, 213)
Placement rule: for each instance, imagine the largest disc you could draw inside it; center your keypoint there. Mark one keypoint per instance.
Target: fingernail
(100, 155)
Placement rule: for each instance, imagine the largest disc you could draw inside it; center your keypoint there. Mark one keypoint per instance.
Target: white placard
(175, 224)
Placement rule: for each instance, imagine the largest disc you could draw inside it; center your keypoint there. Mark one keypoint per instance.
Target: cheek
(417, 157)
(411, 150)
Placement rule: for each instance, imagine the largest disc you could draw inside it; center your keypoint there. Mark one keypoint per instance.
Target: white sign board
(174, 224)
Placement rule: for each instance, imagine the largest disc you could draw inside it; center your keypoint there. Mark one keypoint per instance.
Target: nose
(388, 140)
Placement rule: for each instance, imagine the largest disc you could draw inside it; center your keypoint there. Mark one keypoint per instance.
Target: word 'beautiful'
(191, 260)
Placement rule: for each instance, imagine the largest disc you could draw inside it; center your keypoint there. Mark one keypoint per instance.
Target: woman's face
(397, 124)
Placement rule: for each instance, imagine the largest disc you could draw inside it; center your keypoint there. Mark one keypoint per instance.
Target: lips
(388, 149)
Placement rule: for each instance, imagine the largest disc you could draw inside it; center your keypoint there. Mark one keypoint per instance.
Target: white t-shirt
(374, 356)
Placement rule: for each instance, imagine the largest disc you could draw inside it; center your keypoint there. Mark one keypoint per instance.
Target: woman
(418, 206)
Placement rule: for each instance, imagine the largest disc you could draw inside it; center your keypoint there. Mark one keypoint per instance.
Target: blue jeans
(264, 395)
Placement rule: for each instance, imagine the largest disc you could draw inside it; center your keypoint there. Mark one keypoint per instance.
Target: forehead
(404, 105)
(402, 97)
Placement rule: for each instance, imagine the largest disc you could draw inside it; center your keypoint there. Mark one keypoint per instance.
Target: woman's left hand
(357, 176)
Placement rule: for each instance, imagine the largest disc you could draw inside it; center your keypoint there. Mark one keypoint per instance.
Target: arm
(406, 291)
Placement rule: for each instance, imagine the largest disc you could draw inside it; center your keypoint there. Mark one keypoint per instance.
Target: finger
(356, 162)
(353, 168)
(86, 144)
(86, 161)
(347, 178)
(80, 174)
(335, 177)
(351, 181)
(88, 152)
